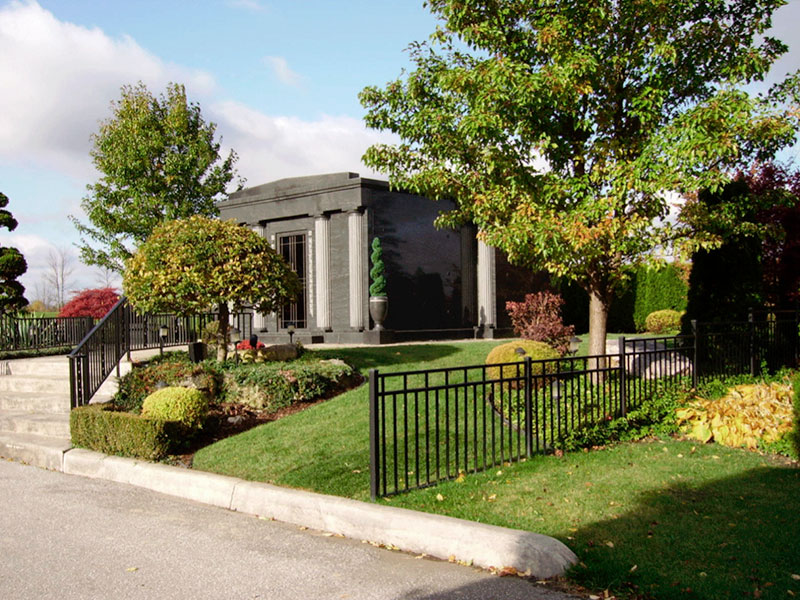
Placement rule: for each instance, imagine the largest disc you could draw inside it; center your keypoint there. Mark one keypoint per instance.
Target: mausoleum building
(440, 283)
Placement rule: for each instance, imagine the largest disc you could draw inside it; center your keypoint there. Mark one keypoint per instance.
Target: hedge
(103, 428)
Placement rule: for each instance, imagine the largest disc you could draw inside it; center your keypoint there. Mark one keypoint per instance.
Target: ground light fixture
(163, 332)
(290, 330)
(574, 344)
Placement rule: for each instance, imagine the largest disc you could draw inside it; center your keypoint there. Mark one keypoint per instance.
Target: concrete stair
(35, 406)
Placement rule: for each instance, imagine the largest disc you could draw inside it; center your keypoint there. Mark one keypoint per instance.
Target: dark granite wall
(423, 264)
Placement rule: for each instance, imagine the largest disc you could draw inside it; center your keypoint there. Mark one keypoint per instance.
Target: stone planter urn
(378, 309)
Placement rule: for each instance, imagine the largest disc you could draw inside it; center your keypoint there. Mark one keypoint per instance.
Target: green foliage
(158, 161)
(187, 265)
(172, 369)
(620, 101)
(12, 266)
(378, 271)
(271, 386)
(9, 354)
(509, 353)
(656, 417)
(658, 288)
(663, 321)
(187, 406)
(101, 428)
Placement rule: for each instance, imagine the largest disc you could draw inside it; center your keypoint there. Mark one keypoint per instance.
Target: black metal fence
(35, 333)
(123, 330)
(432, 425)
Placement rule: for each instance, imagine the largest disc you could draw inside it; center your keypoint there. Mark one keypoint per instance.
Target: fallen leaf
(610, 544)
(506, 571)
(132, 569)
(633, 568)
(795, 577)
(439, 497)
(492, 498)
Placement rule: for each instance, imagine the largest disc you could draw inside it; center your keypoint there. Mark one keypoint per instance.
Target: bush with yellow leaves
(745, 416)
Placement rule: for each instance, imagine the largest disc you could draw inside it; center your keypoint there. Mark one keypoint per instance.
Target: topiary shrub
(377, 273)
(172, 369)
(103, 428)
(187, 406)
(538, 318)
(663, 321)
(517, 351)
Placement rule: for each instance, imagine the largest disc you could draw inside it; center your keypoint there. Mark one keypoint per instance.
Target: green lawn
(664, 519)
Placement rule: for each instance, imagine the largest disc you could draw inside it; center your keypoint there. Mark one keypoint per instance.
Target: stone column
(469, 315)
(259, 319)
(322, 270)
(356, 269)
(487, 296)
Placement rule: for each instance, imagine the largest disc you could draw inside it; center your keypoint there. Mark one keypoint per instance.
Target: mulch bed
(228, 418)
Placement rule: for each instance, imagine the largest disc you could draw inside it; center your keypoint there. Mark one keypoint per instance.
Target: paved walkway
(70, 538)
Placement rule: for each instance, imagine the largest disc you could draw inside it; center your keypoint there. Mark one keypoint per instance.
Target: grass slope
(660, 519)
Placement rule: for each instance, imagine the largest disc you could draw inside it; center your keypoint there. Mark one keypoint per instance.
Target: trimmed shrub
(187, 406)
(103, 428)
(538, 318)
(658, 289)
(514, 352)
(663, 321)
(172, 369)
(271, 386)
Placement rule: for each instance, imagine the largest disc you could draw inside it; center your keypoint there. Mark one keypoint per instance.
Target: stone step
(45, 366)
(38, 450)
(36, 402)
(49, 424)
(30, 383)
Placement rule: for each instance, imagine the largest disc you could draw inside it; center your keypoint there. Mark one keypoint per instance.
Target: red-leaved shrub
(538, 318)
(90, 303)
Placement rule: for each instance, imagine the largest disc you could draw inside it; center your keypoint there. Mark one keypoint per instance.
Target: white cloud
(58, 80)
(282, 71)
(276, 147)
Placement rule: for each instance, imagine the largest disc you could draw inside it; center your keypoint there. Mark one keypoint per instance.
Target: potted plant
(378, 301)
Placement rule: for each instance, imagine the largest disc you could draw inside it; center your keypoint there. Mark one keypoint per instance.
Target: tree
(12, 266)
(159, 161)
(60, 267)
(756, 218)
(188, 265)
(557, 126)
(90, 303)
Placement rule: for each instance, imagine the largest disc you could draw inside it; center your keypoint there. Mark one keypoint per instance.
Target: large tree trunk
(222, 348)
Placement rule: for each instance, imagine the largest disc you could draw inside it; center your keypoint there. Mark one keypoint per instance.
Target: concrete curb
(438, 536)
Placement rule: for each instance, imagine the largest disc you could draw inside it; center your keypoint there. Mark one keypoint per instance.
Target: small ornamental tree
(538, 318)
(90, 303)
(377, 273)
(12, 266)
(188, 265)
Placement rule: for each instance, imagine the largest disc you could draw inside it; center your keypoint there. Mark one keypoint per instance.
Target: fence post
(374, 467)
(695, 360)
(752, 331)
(528, 407)
(623, 377)
(84, 395)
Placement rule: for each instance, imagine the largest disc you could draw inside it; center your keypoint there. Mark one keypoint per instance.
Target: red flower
(245, 345)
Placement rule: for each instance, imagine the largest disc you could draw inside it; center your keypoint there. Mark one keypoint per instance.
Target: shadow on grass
(736, 537)
(377, 357)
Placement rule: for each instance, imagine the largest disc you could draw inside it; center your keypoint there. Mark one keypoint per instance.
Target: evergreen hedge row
(101, 428)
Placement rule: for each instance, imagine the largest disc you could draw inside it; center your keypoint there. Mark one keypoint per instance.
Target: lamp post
(236, 337)
(290, 330)
(163, 332)
(574, 344)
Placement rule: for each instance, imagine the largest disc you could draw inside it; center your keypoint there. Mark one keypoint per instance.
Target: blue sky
(279, 77)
